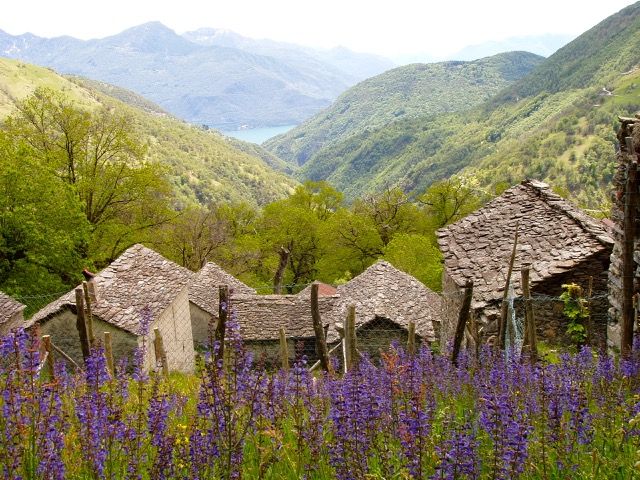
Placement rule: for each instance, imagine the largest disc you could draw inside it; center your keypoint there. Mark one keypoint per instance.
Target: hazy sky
(391, 28)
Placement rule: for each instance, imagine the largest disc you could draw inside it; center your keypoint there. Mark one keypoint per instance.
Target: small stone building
(204, 299)
(261, 316)
(11, 314)
(386, 300)
(560, 242)
(139, 280)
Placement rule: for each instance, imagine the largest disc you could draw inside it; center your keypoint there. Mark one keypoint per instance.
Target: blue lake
(258, 135)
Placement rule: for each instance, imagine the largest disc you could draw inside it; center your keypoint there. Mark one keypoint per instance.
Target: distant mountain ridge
(405, 92)
(226, 85)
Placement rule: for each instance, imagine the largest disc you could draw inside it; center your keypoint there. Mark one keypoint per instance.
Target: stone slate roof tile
(137, 279)
(384, 291)
(203, 289)
(261, 316)
(8, 308)
(554, 236)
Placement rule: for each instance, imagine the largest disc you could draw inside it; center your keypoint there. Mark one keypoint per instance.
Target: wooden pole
(628, 265)
(223, 315)
(81, 323)
(321, 342)
(88, 316)
(161, 354)
(108, 353)
(502, 326)
(411, 341)
(462, 321)
(333, 349)
(530, 340)
(46, 343)
(284, 350)
(350, 346)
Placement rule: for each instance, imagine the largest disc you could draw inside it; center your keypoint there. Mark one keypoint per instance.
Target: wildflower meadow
(403, 417)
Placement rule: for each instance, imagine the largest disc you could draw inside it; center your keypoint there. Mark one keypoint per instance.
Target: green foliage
(43, 230)
(576, 311)
(416, 254)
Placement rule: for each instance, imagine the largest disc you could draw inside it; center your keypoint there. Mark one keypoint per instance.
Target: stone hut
(204, 299)
(560, 242)
(138, 281)
(386, 300)
(261, 316)
(11, 314)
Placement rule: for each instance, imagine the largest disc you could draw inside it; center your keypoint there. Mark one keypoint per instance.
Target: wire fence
(375, 334)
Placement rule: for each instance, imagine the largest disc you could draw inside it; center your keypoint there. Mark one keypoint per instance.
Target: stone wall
(64, 334)
(15, 321)
(551, 324)
(175, 326)
(200, 325)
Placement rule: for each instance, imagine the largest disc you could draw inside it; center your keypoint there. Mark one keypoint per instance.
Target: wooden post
(628, 265)
(475, 334)
(502, 325)
(161, 354)
(530, 340)
(462, 321)
(108, 353)
(81, 323)
(89, 316)
(46, 343)
(411, 341)
(284, 350)
(223, 313)
(350, 346)
(321, 342)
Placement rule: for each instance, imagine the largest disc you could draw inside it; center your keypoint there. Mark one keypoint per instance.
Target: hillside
(222, 86)
(405, 92)
(560, 131)
(203, 166)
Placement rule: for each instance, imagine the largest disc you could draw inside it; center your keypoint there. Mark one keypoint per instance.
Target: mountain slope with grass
(556, 124)
(404, 92)
(202, 165)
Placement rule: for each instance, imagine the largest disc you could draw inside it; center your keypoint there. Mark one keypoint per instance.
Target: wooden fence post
(502, 326)
(628, 265)
(46, 343)
(462, 321)
(530, 341)
(160, 352)
(108, 353)
(350, 343)
(81, 323)
(284, 350)
(321, 342)
(89, 316)
(223, 314)
(411, 341)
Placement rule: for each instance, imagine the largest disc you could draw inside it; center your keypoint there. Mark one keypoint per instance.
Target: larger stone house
(140, 283)
(386, 300)
(561, 243)
(11, 314)
(204, 299)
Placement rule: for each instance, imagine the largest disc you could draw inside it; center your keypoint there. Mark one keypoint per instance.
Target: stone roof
(137, 279)
(8, 308)
(261, 316)
(203, 289)
(554, 237)
(384, 291)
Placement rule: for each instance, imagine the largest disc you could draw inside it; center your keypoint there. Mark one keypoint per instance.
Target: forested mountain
(556, 124)
(223, 86)
(404, 92)
(203, 165)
